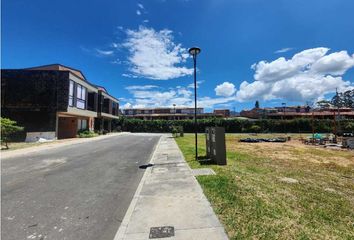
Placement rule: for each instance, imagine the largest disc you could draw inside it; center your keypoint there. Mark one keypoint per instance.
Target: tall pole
(195, 106)
(313, 128)
(194, 51)
(284, 104)
(338, 115)
(174, 112)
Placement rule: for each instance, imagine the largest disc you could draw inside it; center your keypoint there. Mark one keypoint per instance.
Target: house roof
(315, 113)
(59, 67)
(164, 108)
(102, 88)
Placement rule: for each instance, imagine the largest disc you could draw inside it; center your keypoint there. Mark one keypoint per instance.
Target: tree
(340, 100)
(256, 105)
(255, 128)
(348, 98)
(8, 127)
(324, 104)
(344, 99)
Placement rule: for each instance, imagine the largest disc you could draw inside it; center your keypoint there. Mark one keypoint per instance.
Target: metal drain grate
(162, 232)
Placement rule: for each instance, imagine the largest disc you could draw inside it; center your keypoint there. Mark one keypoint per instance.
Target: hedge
(237, 125)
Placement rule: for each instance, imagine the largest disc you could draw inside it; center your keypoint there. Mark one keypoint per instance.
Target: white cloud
(208, 102)
(141, 6)
(308, 75)
(115, 45)
(127, 105)
(154, 55)
(155, 98)
(97, 52)
(116, 61)
(128, 75)
(152, 96)
(146, 21)
(138, 12)
(141, 87)
(283, 50)
(282, 68)
(191, 85)
(335, 63)
(104, 53)
(225, 89)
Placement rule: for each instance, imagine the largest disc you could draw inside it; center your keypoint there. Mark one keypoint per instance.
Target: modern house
(55, 101)
(177, 113)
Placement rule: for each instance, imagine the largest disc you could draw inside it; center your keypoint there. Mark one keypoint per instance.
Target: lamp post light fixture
(194, 51)
(174, 112)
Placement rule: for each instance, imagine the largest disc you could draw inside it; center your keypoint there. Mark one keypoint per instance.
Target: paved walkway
(78, 191)
(169, 195)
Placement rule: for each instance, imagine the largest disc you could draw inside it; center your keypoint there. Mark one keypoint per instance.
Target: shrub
(86, 134)
(177, 131)
(348, 126)
(255, 128)
(174, 131)
(237, 125)
(8, 127)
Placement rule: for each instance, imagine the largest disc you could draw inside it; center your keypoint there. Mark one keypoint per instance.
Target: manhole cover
(162, 232)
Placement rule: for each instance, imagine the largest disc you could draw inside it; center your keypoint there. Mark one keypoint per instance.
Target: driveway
(81, 191)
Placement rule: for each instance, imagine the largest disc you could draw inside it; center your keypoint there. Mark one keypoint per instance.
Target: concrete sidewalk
(169, 195)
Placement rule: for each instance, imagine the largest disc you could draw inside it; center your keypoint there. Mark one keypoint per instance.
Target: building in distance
(177, 113)
(292, 112)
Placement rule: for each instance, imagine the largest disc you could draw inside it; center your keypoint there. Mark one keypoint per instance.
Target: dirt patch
(288, 180)
(294, 151)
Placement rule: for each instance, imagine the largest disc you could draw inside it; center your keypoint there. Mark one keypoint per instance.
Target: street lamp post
(284, 105)
(174, 112)
(194, 51)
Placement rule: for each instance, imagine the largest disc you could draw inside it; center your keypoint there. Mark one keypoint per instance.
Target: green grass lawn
(253, 203)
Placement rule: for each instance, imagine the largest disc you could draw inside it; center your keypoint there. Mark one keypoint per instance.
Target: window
(81, 124)
(84, 124)
(114, 108)
(71, 93)
(80, 97)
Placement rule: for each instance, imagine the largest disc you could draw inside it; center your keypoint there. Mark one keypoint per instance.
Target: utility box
(215, 144)
(208, 142)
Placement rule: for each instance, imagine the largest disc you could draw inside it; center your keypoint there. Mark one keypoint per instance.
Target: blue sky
(272, 51)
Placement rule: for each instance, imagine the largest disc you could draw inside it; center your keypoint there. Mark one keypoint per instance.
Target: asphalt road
(81, 191)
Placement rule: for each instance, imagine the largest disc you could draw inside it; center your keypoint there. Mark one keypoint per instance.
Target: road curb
(53, 145)
(124, 225)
